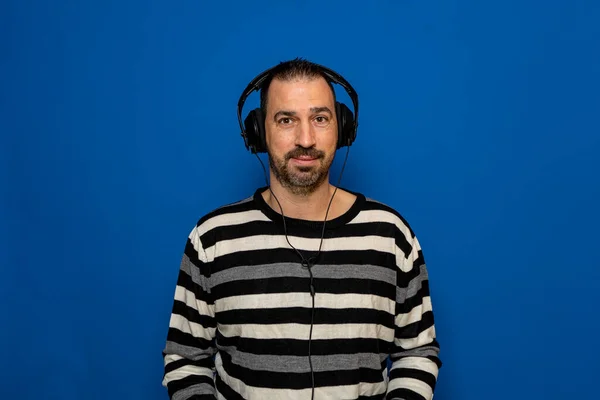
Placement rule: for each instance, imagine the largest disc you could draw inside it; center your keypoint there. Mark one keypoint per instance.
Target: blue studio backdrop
(478, 122)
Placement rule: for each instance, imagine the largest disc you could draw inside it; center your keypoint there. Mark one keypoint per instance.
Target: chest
(273, 301)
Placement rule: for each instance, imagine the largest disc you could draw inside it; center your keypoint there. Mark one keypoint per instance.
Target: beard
(301, 180)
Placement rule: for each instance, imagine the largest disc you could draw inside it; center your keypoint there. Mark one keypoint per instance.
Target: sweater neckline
(341, 220)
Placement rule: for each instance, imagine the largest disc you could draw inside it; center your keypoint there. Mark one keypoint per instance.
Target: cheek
(280, 142)
(329, 139)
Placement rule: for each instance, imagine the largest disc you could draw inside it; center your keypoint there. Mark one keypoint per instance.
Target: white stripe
(185, 371)
(187, 297)
(330, 392)
(169, 358)
(415, 314)
(197, 245)
(192, 328)
(231, 219)
(403, 260)
(301, 331)
(422, 339)
(380, 243)
(413, 384)
(322, 300)
(380, 215)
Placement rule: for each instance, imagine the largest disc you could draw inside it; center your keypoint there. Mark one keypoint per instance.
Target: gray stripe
(413, 286)
(235, 203)
(192, 353)
(372, 200)
(189, 268)
(246, 200)
(295, 364)
(200, 388)
(280, 270)
(424, 351)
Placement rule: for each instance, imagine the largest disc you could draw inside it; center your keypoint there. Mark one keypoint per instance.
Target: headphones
(253, 127)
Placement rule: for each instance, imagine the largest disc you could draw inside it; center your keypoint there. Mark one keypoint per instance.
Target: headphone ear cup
(345, 117)
(262, 134)
(254, 126)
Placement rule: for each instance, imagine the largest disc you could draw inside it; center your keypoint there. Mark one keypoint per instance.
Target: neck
(311, 206)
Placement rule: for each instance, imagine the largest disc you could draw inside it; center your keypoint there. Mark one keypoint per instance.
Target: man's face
(301, 132)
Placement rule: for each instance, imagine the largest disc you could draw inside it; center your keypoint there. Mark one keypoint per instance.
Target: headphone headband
(333, 76)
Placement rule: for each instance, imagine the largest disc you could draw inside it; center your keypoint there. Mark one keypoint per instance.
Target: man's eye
(285, 121)
(321, 119)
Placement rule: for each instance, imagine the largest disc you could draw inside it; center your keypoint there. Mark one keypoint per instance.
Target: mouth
(304, 160)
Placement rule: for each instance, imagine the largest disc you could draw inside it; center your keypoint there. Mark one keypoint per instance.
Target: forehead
(299, 93)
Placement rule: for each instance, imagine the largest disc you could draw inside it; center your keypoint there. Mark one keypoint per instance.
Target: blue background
(478, 121)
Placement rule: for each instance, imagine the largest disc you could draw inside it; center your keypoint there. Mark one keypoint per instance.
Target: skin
(301, 135)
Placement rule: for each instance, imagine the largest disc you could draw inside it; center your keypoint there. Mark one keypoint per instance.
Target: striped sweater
(241, 316)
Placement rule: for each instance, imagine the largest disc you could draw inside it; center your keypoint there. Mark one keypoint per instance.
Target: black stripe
(303, 316)
(291, 285)
(413, 301)
(253, 228)
(403, 244)
(193, 315)
(404, 394)
(372, 205)
(418, 374)
(414, 329)
(420, 260)
(295, 347)
(405, 278)
(229, 232)
(185, 281)
(226, 391)
(192, 254)
(435, 359)
(235, 207)
(185, 339)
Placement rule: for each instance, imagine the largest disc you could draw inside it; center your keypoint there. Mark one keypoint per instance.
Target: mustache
(301, 151)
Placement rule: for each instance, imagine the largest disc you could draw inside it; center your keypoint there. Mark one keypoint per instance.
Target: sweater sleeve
(415, 360)
(190, 345)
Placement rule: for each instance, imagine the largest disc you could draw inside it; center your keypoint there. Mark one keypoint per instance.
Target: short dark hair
(288, 70)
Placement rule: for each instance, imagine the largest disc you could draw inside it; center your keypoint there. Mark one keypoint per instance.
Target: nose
(305, 135)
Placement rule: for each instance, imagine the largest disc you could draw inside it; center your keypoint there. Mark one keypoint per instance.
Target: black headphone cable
(308, 264)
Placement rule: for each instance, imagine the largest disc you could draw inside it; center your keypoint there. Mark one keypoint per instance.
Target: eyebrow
(314, 110)
(284, 113)
(320, 109)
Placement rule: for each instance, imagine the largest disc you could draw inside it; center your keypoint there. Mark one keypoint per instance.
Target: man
(303, 290)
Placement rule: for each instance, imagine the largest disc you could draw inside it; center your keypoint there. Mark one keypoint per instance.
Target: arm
(415, 361)
(188, 354)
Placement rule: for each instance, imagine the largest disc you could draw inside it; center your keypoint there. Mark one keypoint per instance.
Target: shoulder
(408, 246)
(373, 210)
(213, 224)
(235, 207)
(218, 221)
(235, 213)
